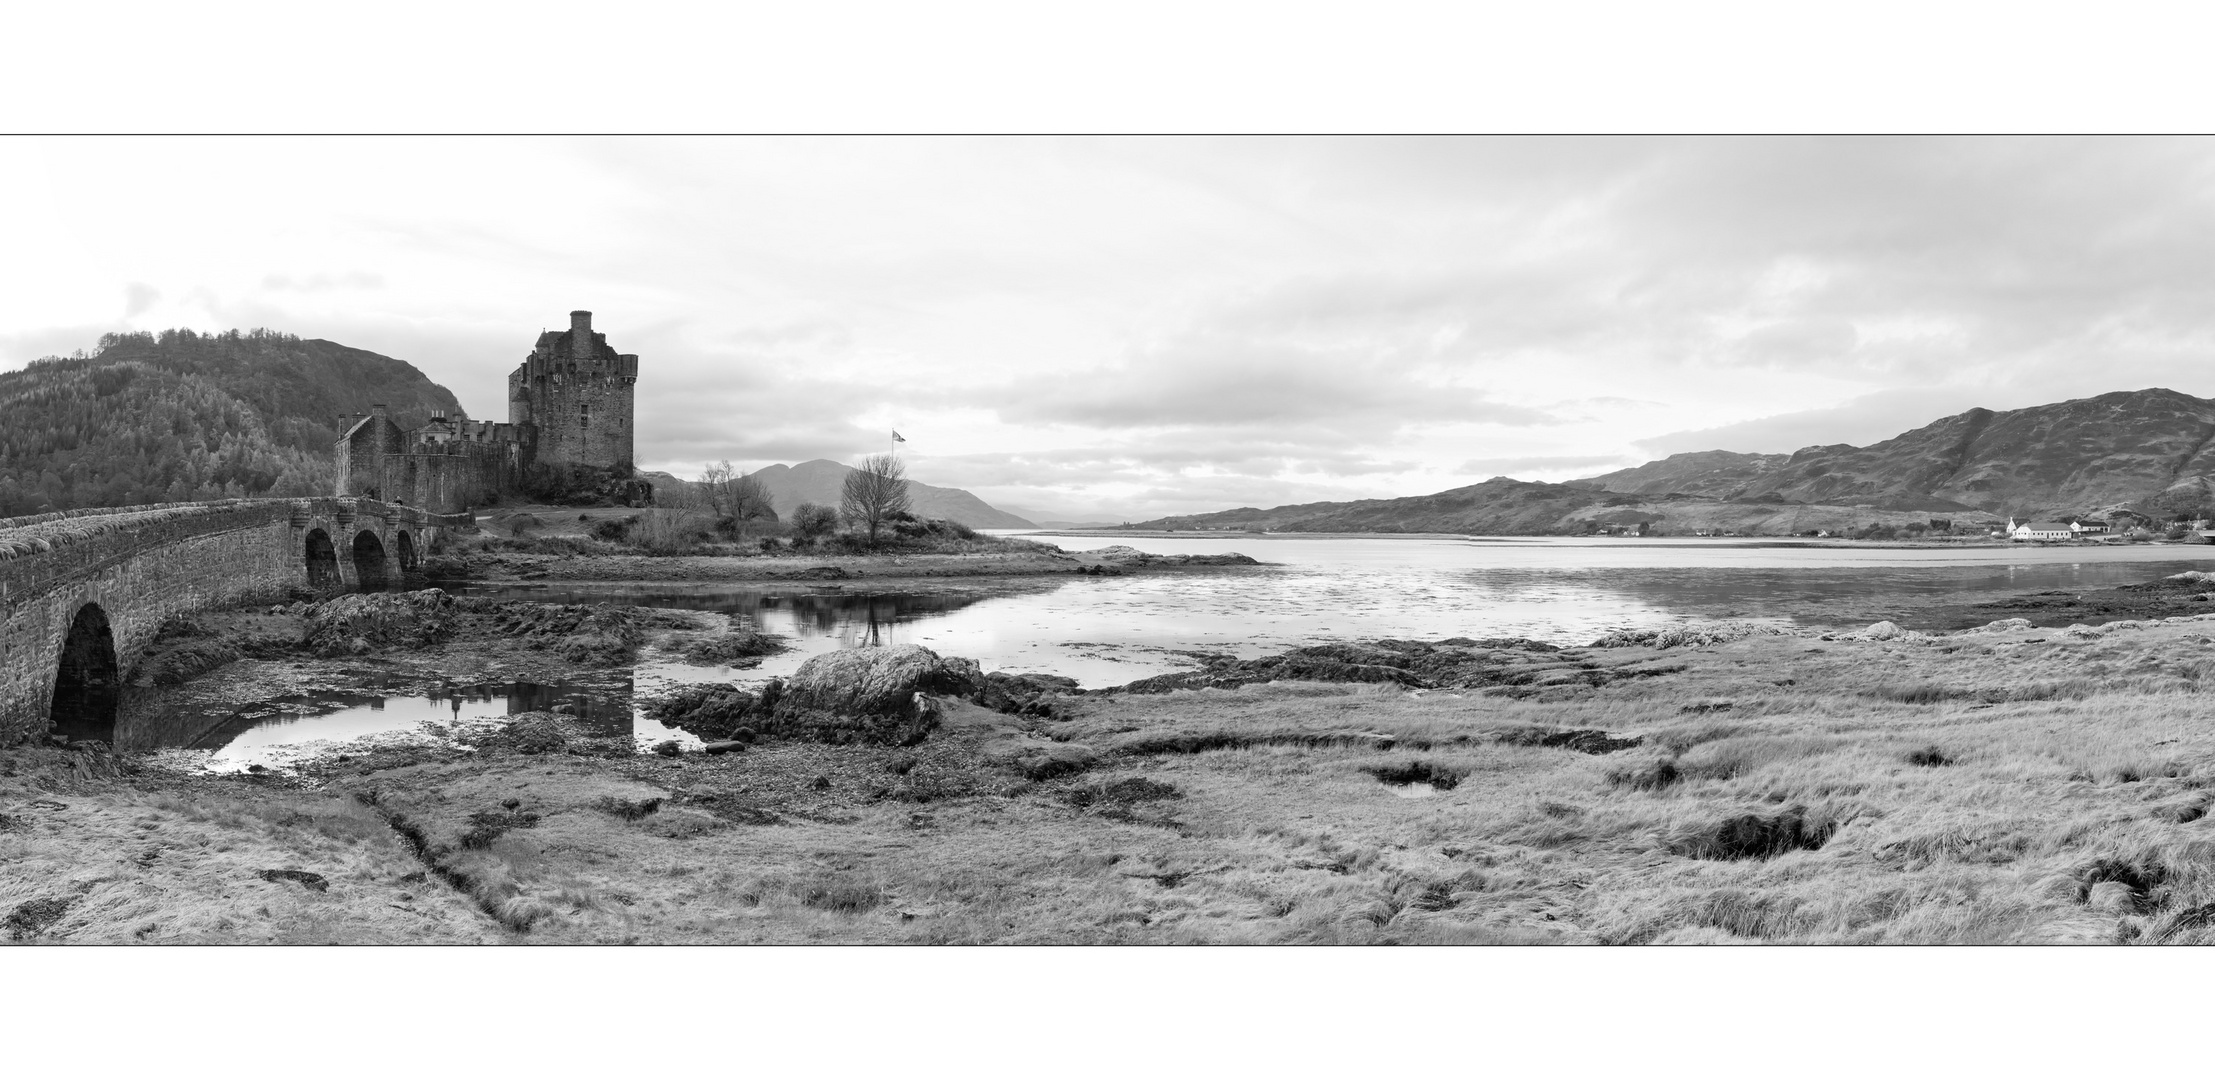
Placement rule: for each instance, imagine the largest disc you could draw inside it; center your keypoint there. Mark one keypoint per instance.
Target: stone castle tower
(575, 392)
(568, 436)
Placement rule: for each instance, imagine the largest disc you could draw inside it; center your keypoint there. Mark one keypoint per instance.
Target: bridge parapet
(135, 567)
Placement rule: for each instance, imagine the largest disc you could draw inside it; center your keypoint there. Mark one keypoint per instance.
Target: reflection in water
(268, 732)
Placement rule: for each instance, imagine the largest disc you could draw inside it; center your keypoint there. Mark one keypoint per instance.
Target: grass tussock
(1756, 835)
(844, 895)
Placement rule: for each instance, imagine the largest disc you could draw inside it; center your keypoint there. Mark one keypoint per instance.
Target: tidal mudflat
(2036, 778)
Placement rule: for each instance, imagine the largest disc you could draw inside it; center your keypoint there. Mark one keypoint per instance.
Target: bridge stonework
(142, 565)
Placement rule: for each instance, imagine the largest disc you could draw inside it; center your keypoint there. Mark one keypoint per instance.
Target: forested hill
(191, 416)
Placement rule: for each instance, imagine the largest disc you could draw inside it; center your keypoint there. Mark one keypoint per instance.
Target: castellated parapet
(569, 424)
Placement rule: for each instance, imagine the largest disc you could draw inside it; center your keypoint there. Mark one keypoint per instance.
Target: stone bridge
(83, 592)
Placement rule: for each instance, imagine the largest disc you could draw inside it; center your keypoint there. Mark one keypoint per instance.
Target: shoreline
(1713, 782)
(1726, 541)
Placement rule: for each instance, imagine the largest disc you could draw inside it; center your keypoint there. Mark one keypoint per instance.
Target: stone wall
(145, 564)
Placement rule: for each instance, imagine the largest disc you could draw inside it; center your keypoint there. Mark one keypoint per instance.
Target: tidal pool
(276, 733)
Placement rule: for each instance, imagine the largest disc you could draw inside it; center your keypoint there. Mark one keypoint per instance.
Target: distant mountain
(2148, 449)
(184, 416)
(1505, 507)
(822, 480)
(1049, 521)
(1715, 473)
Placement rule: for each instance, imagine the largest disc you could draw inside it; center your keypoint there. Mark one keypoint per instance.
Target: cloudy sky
(1130, 327)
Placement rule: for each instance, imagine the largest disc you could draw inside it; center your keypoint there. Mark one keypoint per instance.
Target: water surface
(1107, 631)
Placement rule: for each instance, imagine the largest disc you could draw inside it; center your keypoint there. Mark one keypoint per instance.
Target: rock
(879, 694)
(727, 746)
(312, 882)
(732, 648)
(1001, 691)
(363, 622)
(714, 711)
(668, 748)
(1883, 631)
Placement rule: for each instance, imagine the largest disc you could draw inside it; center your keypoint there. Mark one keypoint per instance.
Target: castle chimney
(377, 411)
(580, 321)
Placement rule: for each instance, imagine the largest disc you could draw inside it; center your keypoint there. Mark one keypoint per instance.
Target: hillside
(2151, 451)
(1714, 473)
(190, 416)
(2148, 449)
(821, 481)
(1505, 507)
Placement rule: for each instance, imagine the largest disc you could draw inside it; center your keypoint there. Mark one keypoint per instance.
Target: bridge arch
(409, 557)
(322, 561)
(88, 682)
(369, 561)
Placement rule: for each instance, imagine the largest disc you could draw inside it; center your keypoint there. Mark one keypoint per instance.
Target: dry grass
(1819, 807)
(138, 866)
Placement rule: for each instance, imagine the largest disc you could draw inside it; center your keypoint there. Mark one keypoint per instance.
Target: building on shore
(2039, 530)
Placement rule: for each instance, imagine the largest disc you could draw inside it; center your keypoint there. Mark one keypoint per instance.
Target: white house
(2087, 528)
(2039, 530)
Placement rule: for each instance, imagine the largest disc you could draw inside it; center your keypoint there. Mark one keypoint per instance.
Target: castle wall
(569, 405)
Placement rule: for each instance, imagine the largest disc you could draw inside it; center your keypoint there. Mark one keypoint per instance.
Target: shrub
(613, 530)
(813, 522)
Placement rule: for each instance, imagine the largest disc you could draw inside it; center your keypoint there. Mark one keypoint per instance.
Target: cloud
(1864, 420)
(1145, 324)
(138, 298)
(25, 346)
(1490, 467)
(314, 283)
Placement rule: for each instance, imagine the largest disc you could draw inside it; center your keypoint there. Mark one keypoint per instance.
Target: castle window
(584, 416)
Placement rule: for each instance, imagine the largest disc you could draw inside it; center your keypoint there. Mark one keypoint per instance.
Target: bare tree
(715, 488)
(874, 492)
(733, 498)
(750, 499)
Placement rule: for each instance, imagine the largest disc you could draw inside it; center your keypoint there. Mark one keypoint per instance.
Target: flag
(897, 437)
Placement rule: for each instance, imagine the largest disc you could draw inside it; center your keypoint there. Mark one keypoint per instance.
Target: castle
(568, 433)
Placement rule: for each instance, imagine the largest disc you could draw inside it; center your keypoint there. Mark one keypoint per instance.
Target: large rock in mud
(878, 694)
(364, 622)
